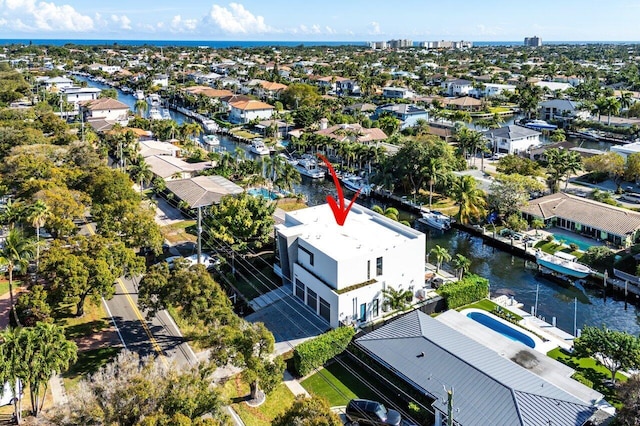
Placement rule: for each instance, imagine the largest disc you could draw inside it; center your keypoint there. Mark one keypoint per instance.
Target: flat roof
(364, 230)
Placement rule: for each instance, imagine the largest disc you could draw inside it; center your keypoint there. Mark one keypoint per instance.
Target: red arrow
(339, 212)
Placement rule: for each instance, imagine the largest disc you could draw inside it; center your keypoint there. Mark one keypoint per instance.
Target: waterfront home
(512, 139)
(351, 133)
(560, 109)
(106, 109)
(208, 92)
(489, 90)
(485, 387)
(161, 80)
(457, 87)
(172, 168)
(202, 191)
(269, 89)
(625, 150)
(74, 95)
(553, 86)
(340, 271)
(56, 83)
(408, 114)
(603, 222)
(242, 112)
(464, 103)
(149, 148)
(397, 93)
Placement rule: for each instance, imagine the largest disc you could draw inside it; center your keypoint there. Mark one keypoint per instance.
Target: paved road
(159, 336)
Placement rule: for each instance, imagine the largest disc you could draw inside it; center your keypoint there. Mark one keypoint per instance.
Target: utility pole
(449, 406)
(199, 234)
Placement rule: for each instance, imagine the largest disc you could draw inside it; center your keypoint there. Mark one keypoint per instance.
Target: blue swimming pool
(568, 239)
(504, 329)
(264, 193)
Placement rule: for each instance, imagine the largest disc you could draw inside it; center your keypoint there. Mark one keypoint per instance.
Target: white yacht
(309, 167)
(355, 184)
(211, 140)
(155, 114)
(258, 147)
(154, 100)
(139, 95)
(435, 220)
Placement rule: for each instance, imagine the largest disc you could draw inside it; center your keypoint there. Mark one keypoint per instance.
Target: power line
(249, 266)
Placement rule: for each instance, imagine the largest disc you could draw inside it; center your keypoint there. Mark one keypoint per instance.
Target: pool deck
(545, 367)
(555, 336)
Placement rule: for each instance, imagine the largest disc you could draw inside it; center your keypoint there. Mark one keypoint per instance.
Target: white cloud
(329, 30)
(375, 28)
(123, 21)
(29, 15)
(237, 20)
(179, 25)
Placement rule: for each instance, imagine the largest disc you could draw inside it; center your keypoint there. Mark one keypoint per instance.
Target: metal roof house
(488, 388)
(586, 217)
(512, 139)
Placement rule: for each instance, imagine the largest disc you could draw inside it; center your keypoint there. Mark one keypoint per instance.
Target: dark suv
(365, 412)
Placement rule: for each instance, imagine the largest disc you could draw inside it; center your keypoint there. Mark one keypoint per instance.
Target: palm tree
(435, 170)
(397, 300)
(461, 265)
(140, 171)
(441, 254)
(625, 100)
(38, 214)
(15, 255)
(140, 107)
(390, 212)
(470, 199)
(537, 224)
(572, 164)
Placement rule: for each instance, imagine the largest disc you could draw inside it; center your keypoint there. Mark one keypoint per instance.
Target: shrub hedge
(468, 290)
(315, 352)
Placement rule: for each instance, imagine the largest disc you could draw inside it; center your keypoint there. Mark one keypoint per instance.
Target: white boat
(210, 125)
(166, 115)
(211, 140)
(154, 100)
(155, 114)
(540, 125)
(435, 220)
(309, 167)
(562, 263)
(258, 147)
(589, 134)
(139, 95)
(355, 184)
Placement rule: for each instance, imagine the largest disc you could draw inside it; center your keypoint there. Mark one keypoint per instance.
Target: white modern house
(512, 139)
(457, 87)
(626, 150)
(244, 111)
(74, 95)
(397, 93)
(489, 90)
(340, 271)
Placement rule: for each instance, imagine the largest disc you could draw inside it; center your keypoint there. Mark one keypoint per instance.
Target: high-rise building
(442, 44)
(534, 41)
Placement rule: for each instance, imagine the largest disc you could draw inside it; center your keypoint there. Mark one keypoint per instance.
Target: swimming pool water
(568, 239)
(505, 330)
(263, 192)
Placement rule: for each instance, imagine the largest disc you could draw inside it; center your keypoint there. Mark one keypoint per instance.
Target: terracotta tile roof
(251, 105)
(103, 104)
(613, 220)
(344, 132)
(270, 85)
(208, 91)
(464, 101)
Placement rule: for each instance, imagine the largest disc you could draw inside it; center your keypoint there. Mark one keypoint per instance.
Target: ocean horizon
(223, 44)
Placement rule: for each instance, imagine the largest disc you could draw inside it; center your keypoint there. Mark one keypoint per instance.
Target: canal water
(507, 274)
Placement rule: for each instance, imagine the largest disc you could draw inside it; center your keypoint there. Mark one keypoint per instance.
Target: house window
(308, 254)
(355, 308)
(312, 300)
(325, 309)
(368, 270)
(363, 312)
(378, 266)
(300, 289)
(375, 311)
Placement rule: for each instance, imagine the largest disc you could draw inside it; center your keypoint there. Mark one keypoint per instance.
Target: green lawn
(4, 287)
(277, 402)
(326, 384)
(589, 372)
(88, 363)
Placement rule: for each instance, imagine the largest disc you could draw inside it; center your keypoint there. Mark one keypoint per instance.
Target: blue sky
(326, 20)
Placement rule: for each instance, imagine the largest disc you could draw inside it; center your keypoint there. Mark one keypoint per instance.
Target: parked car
(205, 259)
(366, 412)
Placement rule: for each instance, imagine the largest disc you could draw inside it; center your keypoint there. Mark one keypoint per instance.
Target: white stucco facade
(340, 271)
